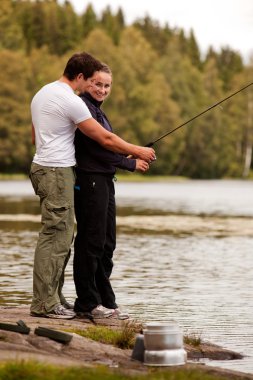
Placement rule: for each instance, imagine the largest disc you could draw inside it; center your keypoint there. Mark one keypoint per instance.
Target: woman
(95, 209)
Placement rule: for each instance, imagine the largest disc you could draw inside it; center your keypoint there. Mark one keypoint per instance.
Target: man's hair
(81, 63)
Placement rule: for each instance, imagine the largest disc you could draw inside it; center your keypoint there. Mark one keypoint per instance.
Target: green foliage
(159, 82)
(36, 371)
(10, 30)
(193, 51)
(15, 147)
(88, 20)
(193, 339)
(229, 63)
(156, 35)
(123, 338)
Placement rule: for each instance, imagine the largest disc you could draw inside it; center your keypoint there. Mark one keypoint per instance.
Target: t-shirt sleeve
(78, 111)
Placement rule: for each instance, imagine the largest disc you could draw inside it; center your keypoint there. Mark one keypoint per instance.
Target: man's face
(82, 84)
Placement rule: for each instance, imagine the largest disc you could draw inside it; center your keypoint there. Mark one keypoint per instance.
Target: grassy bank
(38, 371)
(137, 177)
(122, 177)
(14, 177)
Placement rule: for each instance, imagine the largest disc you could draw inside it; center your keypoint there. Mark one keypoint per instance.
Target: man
(56, 111)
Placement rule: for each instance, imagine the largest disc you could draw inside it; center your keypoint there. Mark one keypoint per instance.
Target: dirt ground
(81, 351)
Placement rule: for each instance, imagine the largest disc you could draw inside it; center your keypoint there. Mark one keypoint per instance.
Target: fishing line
(198, 115)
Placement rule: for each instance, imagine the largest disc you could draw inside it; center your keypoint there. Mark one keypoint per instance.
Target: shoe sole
(102, 316)
(52, 316)
(120, 317)
(84, 314)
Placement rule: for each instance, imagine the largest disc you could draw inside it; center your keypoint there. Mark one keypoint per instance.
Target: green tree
(11, 36)
(188, 92)
(31, 18)
(156, 35)
(240, 109)
(146, 104)
(89, 20)
(43, 68)
(229, 64)
(71, 26)
(15, 130)
(63, 28)
(193, 51)
(113, 24)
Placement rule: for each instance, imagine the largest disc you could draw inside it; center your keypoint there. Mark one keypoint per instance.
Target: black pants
(95, 240)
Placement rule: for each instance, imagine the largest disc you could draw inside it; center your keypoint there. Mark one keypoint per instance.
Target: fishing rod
(195, 117)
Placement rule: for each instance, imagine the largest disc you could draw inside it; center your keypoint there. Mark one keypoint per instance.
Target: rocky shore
(82, 351)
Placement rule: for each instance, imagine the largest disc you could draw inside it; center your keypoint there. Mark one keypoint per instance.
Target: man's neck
(72, 84)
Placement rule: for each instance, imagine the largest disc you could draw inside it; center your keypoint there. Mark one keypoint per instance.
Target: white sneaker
(101, 312)
(60, 312)
(119, 314)
(68, 305)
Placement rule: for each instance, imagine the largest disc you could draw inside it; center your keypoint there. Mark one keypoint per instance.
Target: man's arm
(108, 140)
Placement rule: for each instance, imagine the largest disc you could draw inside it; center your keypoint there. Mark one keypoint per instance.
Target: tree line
(160, 80)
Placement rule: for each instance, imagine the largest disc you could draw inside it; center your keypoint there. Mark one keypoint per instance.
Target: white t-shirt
(55, 111)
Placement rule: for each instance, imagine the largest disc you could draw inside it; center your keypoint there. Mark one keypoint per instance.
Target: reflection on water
(190, 197)
(194, 269)
(16, 265)
(203, 283)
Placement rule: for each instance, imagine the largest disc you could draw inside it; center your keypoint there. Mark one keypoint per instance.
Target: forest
(160, 80)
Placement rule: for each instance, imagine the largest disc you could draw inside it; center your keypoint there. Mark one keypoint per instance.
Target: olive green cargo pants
(55, 187)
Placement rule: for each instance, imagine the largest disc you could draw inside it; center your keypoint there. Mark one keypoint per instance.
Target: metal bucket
(163, 344)
(160, 326)
(165, 340)
(165, 357)
(162, 336)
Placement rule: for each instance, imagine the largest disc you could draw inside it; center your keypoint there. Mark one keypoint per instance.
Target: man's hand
(141, 165)
(146, 154)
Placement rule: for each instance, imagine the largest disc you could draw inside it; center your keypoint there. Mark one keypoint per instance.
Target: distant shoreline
(132, 177)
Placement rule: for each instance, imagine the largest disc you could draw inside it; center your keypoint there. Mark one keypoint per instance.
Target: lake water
(184, 253)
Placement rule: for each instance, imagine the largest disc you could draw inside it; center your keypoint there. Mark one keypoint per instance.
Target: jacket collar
(86, 95)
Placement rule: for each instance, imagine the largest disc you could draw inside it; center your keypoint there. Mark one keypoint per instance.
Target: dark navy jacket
(92, 157)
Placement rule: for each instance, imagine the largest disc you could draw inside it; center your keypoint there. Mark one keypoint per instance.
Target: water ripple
(191, 268)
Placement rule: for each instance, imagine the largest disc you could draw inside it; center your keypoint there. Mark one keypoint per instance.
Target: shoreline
(86, 352)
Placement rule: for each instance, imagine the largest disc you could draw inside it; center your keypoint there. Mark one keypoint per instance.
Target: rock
(81, 351)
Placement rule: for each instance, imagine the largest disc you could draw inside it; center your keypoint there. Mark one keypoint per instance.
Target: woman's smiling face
(101, 85)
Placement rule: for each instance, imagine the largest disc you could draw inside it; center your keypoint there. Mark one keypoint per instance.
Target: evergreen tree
(229, 64)
(11, 36)
(15, 125)
(112, 24)
(63, 28)
(157, 36)
(193, 51)
(159, 82)
(89, 20)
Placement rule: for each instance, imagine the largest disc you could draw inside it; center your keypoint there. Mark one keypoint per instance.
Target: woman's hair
(82, 63)
(105, 68)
